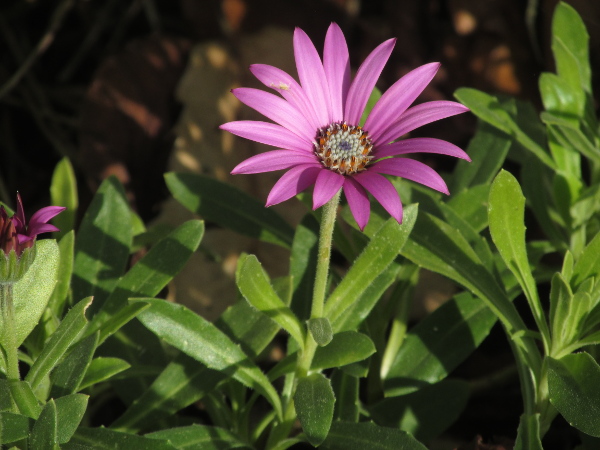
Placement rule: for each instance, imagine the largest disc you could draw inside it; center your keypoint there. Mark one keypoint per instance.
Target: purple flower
(317, 130)
(16, 234)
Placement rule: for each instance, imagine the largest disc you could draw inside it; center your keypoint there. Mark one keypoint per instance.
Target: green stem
(281, 430)
(324, 255)
(8, 342)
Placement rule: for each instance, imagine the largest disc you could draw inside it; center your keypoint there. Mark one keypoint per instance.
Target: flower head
(16, 234)
(317, 130)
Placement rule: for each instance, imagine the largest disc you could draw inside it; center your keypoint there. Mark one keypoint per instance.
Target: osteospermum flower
(317, 130)
(16, 234)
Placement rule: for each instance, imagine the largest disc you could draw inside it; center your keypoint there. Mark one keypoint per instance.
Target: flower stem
(324, 255)
(305, 357)
(8, 340)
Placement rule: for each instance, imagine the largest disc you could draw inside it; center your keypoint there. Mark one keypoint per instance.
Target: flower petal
(398, 98)
(276, 109)
(19, 216)
(336, 62)
(365, 81)
(268, 133)
(45, 214)
(39, 228)
(383, 190)
(411, 170)
(328, 184)
(274, 160)
(417, 116)
(420, 145)
(358, 201)
(289, 88)
(312, 76)
(292, 182)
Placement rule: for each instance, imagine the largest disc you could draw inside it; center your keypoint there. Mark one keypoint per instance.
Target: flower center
(344, 148)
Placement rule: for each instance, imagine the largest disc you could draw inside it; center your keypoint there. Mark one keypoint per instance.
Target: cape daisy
(317, 130)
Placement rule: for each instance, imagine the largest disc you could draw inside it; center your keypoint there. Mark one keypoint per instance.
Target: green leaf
(506, 212)
(573, 386)
(254, 285)
(66, 333)
(66, 248)
(185, 381)
(44, 432)
(561, 98)
(361, 436)
(102, 369)
(201, 340)
(14, 427)
(588, 263)
(63, 192)
(102, 245)
(347, 403)
(570, 47)
(373, 99)
(118, 320)
(69, 413)
(440, 248)
(199, 436)
(303, 265)
(320, 330)
(67, 377)
(345, 348)
(375, 258)
(471, 206)
(314, 401)
(439, 343)
(355, 314)
(155, 270)
(488, 150)
(24, 398)
(570, 136)
(32, 293)
(528, 433)
(425, 413)
(561, 297)
(229, 207)
(489, 109)
(106, 439)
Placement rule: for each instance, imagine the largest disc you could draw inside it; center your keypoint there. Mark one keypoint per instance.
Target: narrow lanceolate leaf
(489, 109)
(154, 271)
(588, 264)
(44, 433)
(573, 386)
(226, 205)
(314, 401)
(254, 285)
(102, 369)
(103, 242)
(58, 343)
(32, 293)
(360, 436)
(347, 403)
(107, 439)
(24, 398)
(199, 436)
(425, 413)
(63, 192)
(185, 381)
(66, 247)
(439, 343)
(345, 348)
(528, 433)
(67, 377)
(506, 212)
(376, 257)
(69, 412)
(201, 340)
(14, 427)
